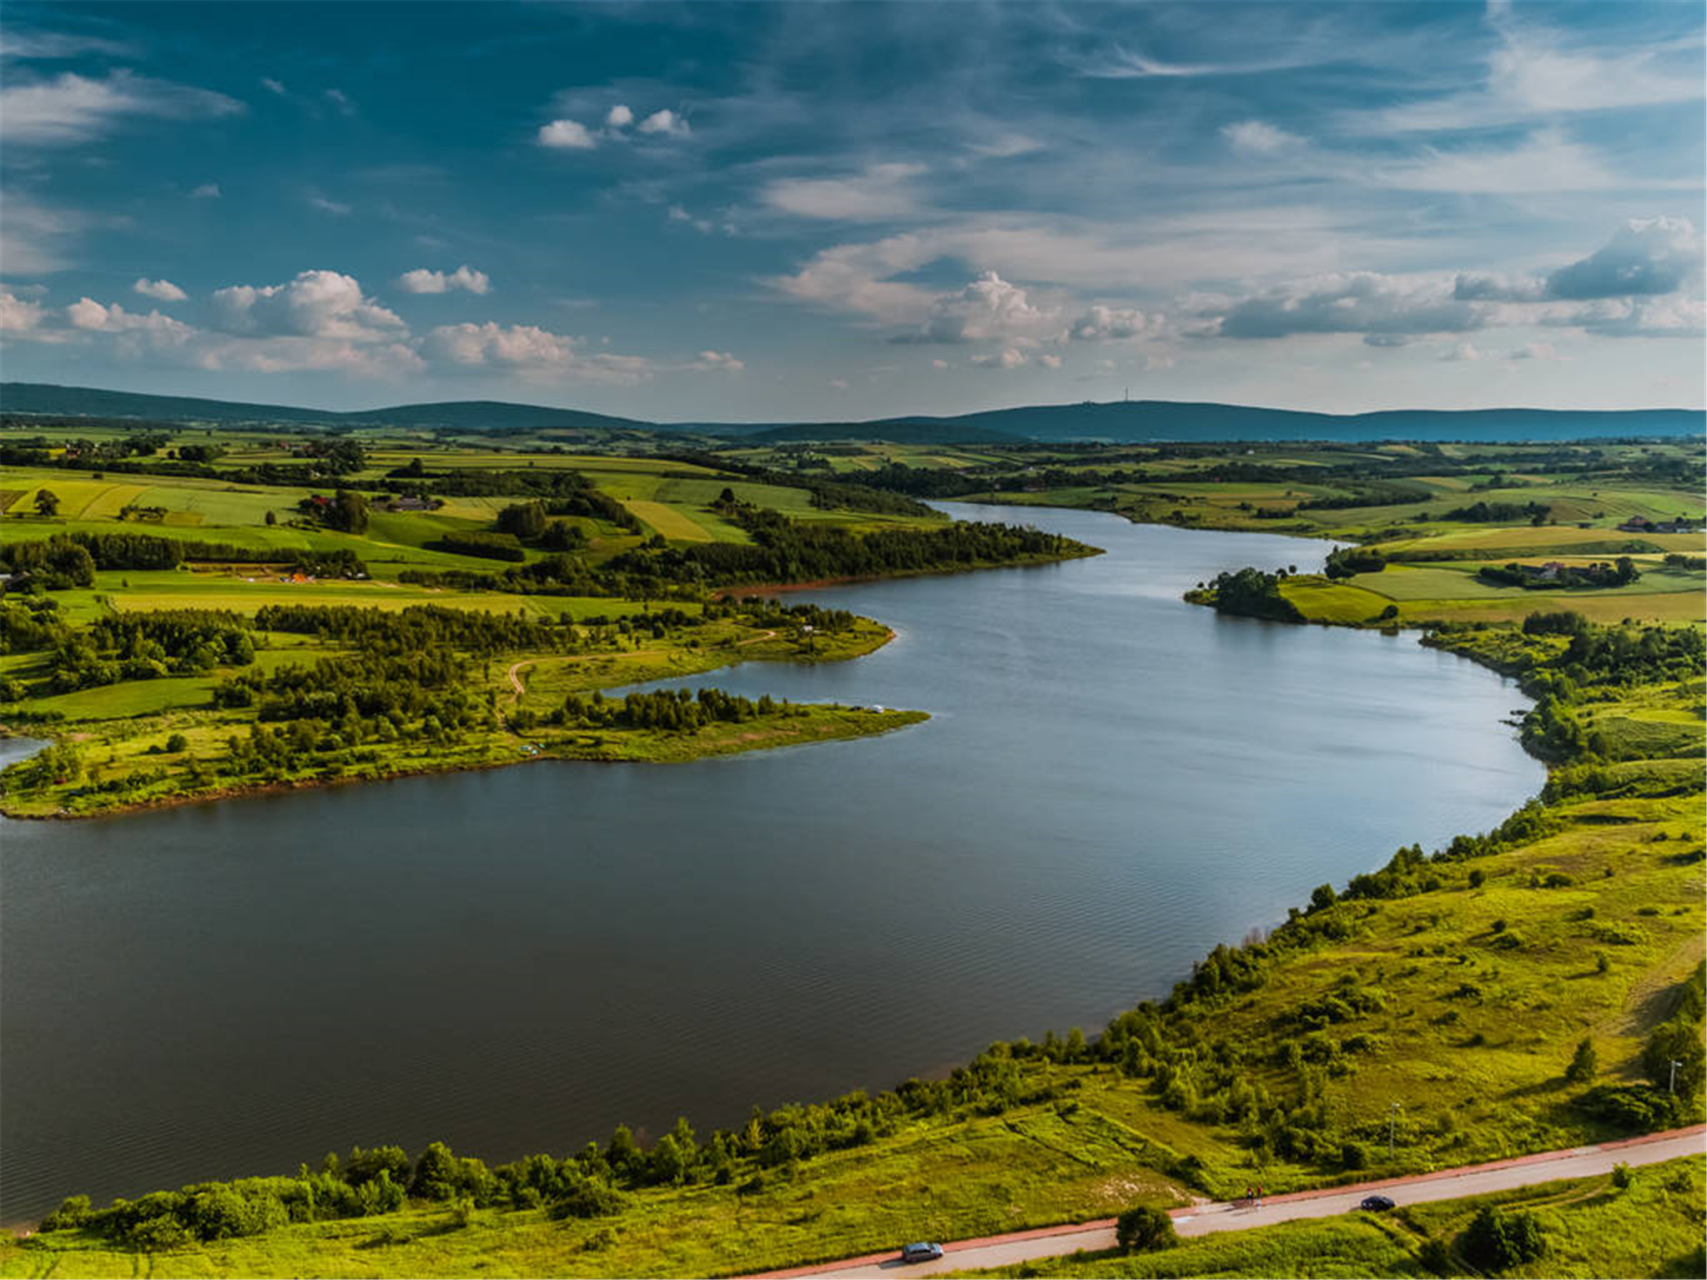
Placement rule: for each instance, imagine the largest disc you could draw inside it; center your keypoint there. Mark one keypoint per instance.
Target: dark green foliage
(1353, 560)
(524, 520)
(1600, 574)
(1251, 593)
(1144, 1228)
(1584, 1063)
(1679, 1040)
(1496, 1240)
(54, 564)
(143, 646)
(1496, 512)
(489, 546)
(787, 550)
(674, 711)
(1637, 1108)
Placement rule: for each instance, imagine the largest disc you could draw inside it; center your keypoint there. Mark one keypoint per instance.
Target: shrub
(1621, 1175)
(158, 1234)
(587, 1198)
(1354, 1155)
(73, 1212)
(1584, 1064)
(1496, 1240)
(1143, 1228)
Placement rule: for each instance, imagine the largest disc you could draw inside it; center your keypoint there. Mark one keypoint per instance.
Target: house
(1550, 571)
(1637, 524)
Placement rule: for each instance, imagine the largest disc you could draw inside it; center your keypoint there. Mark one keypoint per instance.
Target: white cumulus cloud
(422, 280)
(163, 290)
(665, 122)
(619, 117)
(321, 304)
(567, 135)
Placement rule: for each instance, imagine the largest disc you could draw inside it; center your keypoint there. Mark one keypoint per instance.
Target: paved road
(1199, 1220)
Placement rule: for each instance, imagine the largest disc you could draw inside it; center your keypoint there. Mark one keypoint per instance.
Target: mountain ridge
(1120, 420)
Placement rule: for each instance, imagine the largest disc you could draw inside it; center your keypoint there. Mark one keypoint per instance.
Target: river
(517, 960)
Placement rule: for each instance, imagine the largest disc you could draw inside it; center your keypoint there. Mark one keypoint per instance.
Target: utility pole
(1672, 1087)
(1392, 1128)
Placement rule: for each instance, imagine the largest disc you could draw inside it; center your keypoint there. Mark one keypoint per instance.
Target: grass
(1589, 1225)
(120, 727)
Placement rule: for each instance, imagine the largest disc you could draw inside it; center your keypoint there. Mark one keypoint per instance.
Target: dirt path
(515, 678)
(1202, 1219)
(763, 635)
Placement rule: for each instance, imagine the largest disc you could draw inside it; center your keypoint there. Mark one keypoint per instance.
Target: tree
(1584, 1064)
(272, 517)
(1496, 1240)
(524, 519)
(1144, 1228)
(47, 503)
(176, 743)
(349, 512)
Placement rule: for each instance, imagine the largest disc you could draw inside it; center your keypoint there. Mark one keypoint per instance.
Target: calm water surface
(520, 959)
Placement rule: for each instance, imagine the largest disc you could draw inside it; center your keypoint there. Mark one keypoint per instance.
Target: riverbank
(107, 763)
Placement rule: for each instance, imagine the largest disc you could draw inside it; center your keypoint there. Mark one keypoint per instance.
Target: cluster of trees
(149, 551)
(1484, 512)
(416, 628)
(1531, 578)
(1347, 561)
(1248, 593)
(785, 550)
(346, 510)
(30, 624)
(1373, 494)
(144, 646)
(58, 563)
(826, 494)
(674, 711)
(488, 546)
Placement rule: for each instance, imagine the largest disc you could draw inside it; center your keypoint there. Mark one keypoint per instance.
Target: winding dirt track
(1202, 1219)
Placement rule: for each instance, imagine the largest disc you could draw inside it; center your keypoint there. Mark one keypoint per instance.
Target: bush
(1144, 1228)
(587, 1198)
(1584, 1064)
(73, 1212)
(158, 1234)
(1354, 1155)
(1495, 1240)
(1621, 1175)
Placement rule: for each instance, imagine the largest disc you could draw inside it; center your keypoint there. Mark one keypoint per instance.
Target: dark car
(920, 1252)
(1376, 1204)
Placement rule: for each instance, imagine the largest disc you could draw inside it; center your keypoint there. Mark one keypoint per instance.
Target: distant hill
(1136, 420)
(466, 415)
(896, 431)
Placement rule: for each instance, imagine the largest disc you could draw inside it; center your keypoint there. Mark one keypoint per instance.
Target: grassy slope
(1590, 1226)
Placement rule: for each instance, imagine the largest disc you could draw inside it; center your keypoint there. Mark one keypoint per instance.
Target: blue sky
(823, 211)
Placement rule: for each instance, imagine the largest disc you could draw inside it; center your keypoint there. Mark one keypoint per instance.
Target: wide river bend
(518, 960)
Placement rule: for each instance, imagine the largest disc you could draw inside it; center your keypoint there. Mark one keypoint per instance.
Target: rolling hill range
(1136, 420)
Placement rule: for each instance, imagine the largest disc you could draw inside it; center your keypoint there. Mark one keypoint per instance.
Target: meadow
(1461, 984)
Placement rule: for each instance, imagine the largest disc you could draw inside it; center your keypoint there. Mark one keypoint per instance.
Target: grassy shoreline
(550, 676)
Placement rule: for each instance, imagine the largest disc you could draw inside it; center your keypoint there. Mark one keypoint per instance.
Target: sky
(710, 212)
